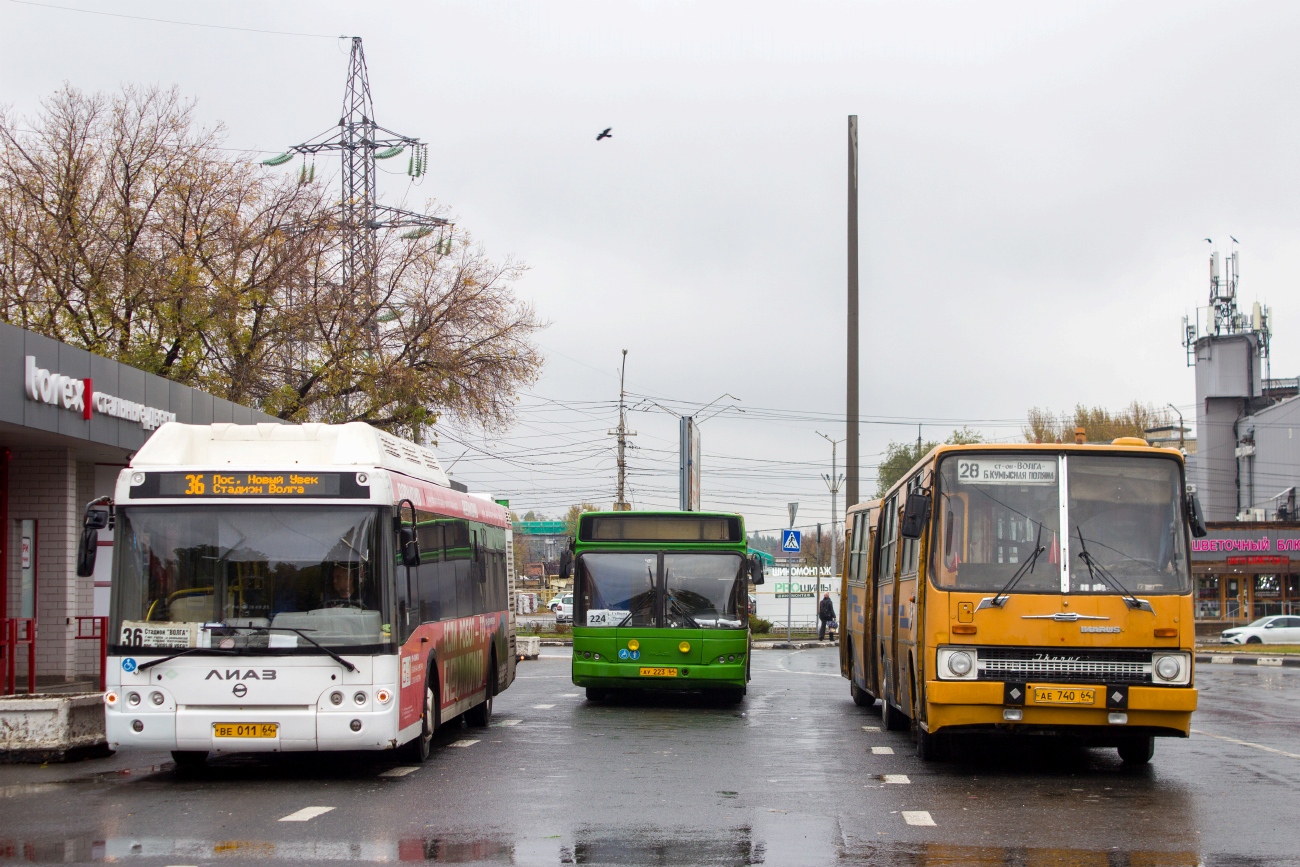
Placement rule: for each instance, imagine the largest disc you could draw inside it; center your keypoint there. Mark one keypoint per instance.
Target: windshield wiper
(1095, 568)
(649, 597)
(681, 609)
(1027, 567)
(302, 633)
(220, 650)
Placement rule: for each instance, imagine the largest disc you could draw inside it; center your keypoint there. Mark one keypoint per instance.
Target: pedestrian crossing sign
(790, 541)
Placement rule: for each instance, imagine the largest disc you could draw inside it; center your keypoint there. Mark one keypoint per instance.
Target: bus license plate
(658, 672)
(1064, 696)
(245, 730)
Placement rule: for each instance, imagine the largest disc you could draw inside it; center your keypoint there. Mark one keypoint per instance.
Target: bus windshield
(249, 576)
(1126, 526)
(1125, 531)
(700, 590)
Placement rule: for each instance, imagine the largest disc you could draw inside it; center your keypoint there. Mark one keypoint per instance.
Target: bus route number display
(261, 484)
(989, 470)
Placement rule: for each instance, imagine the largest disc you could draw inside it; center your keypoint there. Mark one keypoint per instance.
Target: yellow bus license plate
(1064, 696)
(245, 730)
(658, 672)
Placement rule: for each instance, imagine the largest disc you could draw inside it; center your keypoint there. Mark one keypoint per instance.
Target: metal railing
(14, 633)
(98, 627)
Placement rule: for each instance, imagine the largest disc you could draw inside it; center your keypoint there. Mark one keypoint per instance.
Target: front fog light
(359, 698)
(1168, 668)
(959, 663)
(1117, 719)
(156, 698)
(355, 725)
(1013, 714)
(722, 659)
(137, 725)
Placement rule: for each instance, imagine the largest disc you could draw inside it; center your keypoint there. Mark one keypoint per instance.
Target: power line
(173, 21)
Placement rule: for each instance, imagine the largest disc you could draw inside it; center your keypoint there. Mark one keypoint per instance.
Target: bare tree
(127, 230)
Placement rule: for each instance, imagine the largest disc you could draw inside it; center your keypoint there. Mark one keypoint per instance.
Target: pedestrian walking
(825, 614)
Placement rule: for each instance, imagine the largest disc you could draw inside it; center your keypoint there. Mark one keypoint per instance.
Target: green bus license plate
(658, 672)
(1064, 696)
(245, 730)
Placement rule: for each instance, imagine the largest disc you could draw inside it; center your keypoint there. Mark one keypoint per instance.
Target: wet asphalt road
(790, 777)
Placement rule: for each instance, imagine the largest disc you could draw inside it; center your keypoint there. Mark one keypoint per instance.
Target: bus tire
(893, 718)
(189, 760)
(934, 747)
(480, 715)
(597, 693)
(861, 697)
(418, 749)
(1138, 750)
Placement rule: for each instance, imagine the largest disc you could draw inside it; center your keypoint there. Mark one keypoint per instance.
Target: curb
(1225, 659)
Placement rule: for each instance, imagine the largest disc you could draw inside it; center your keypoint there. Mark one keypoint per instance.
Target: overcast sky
(1036, 184)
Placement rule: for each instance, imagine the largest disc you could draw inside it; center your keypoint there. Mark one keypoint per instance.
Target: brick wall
(43, 487)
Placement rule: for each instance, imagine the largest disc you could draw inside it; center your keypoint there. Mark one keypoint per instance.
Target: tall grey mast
(361, 141)
(851, 467)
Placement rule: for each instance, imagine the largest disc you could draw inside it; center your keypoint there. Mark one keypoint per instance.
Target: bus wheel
(893, 718)
(1137, 751)
(932, 747)
(481, 714)
(732, 696)
(861, 697)
(189, 760)
(418, 749)
(597, 693)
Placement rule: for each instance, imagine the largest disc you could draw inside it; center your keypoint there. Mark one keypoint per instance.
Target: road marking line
(1248, 744)
(306, 814)
(882, 751)
(918, 817)
(569, 694)
(895, 778)
(400, 772)
(467, 742)
(506, 722)
(871, 728)
(543, 706)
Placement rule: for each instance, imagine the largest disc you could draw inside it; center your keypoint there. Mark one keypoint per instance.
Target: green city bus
(661, 601)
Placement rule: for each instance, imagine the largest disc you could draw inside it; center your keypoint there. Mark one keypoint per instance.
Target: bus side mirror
(755, 569)
(96, 519)
(410, 547)
(915, 515)
(1195, 518)
(566, 563)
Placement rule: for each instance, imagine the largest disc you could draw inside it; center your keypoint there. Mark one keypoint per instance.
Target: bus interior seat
(189, 609)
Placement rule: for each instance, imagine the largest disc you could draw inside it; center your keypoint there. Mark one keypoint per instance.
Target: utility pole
(789, 585)
(1182, 445)
(621, 504)
(361, 141)
(833, 482)
(851, 404)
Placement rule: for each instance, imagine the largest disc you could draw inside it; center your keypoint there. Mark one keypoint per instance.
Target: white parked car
(563, 608)
(1278, 629)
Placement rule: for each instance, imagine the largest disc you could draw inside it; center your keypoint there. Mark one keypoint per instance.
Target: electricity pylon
(361, 141)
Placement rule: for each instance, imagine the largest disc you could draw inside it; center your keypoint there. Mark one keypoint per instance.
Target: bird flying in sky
(606, 133)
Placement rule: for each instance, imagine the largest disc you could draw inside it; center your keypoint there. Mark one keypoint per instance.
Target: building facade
(69, 422)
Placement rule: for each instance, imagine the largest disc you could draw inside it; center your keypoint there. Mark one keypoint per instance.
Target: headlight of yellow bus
(958, 663)
(1171, 669)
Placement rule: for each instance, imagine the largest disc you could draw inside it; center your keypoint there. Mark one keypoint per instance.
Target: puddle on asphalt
(945, 855)
(443, 849)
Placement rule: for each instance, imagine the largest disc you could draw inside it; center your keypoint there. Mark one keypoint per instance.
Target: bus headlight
(1171, 668)
(133, 699)
(156, 698)
(958, 663)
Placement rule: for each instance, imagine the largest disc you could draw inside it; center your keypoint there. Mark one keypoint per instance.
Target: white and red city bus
(300, 587)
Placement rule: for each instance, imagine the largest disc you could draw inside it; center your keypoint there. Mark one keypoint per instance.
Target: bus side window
(951, 553)
(888, 540)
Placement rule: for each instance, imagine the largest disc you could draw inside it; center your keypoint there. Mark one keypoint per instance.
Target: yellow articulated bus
(1024, 588)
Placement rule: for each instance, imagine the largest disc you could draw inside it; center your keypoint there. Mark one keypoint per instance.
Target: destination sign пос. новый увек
(249, 484)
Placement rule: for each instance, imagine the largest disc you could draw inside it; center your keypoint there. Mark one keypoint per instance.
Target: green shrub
(758, 625)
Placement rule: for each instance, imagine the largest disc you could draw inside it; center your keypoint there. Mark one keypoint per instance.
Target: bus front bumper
(984, 705)
(296, 729)
(625, 675)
